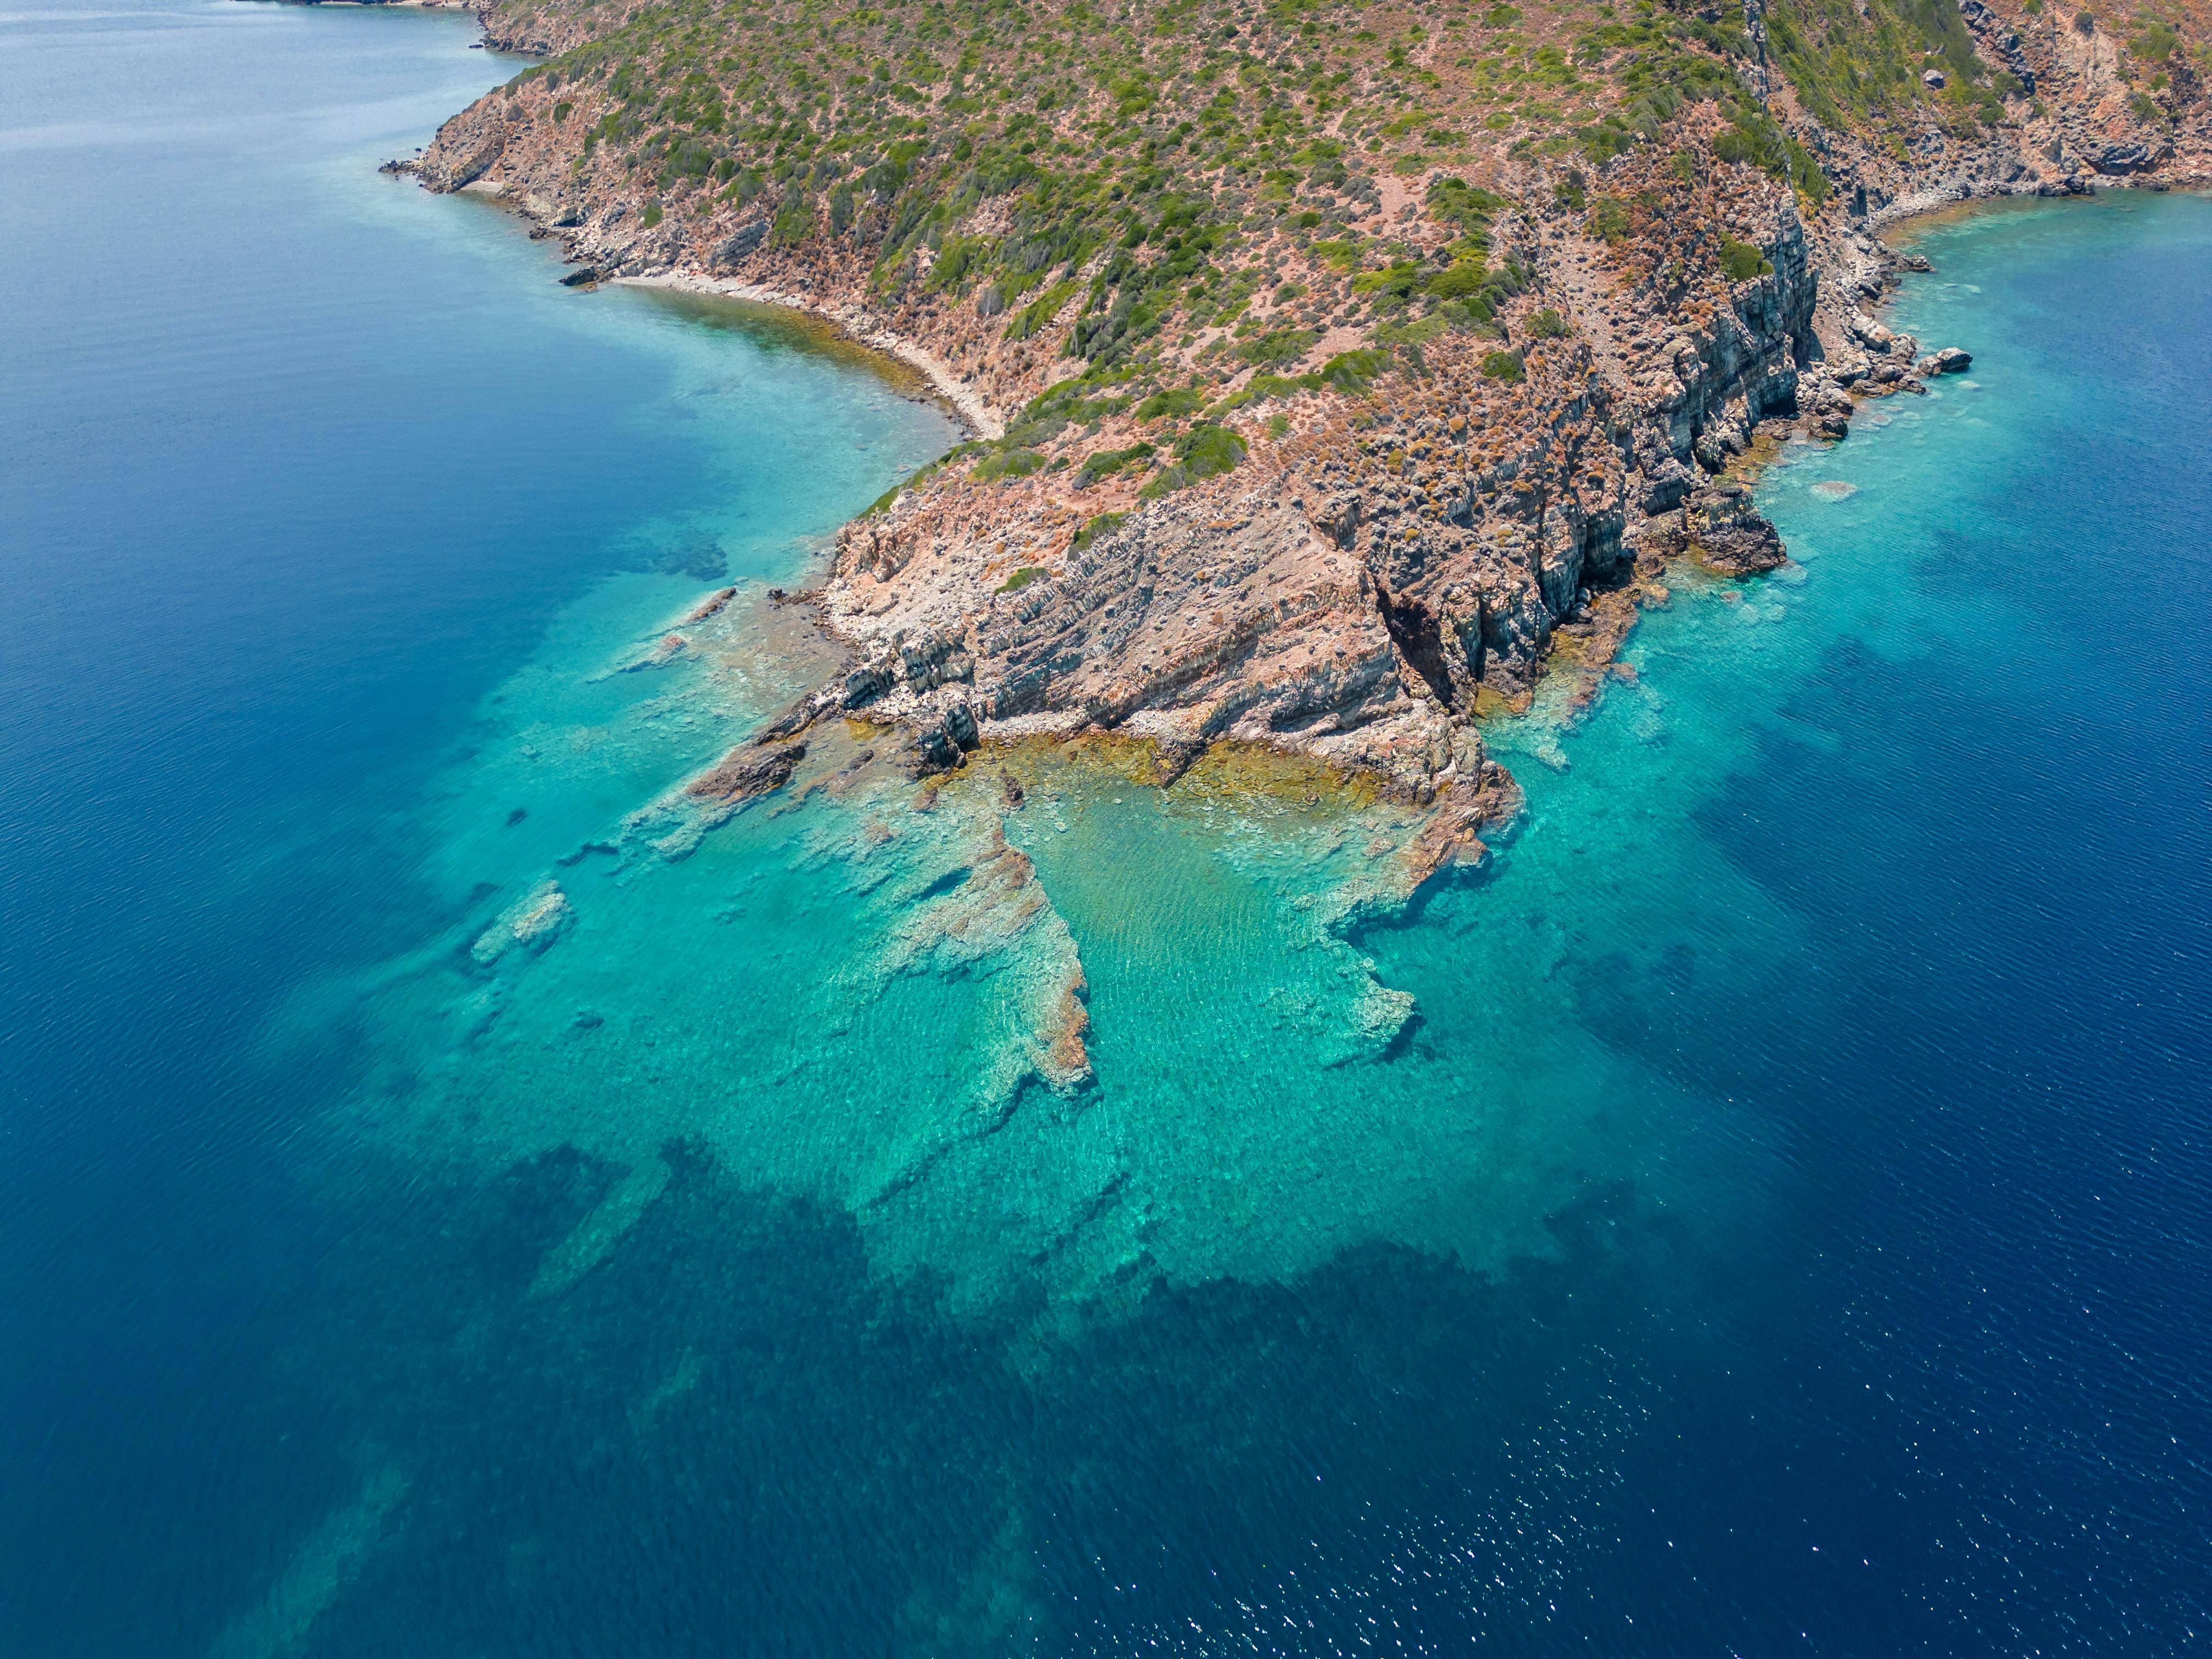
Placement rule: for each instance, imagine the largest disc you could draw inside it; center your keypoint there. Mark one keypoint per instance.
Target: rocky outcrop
(747, 772)
(1724, 531)
(1721, 380)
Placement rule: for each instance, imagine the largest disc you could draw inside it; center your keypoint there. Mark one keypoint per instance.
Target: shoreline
(862, 327)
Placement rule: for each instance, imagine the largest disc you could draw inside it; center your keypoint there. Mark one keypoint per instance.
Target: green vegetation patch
(1205, 451)
(1280, 348)
(1176, 401)
(1105, 463)
(1742, 261)
(1104, 524)
(1753, 137)
(1008, 464)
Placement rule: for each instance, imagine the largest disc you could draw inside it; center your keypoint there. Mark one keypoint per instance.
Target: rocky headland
(1330, 370)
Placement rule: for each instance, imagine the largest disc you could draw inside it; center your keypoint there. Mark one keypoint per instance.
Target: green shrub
(1353, 372)
(1204, 452)
(1459, 279)
(1468, 207)
(1547, 325)
(1400, 280)
(1039, 312)
(2155, 44)
(1177, 400)
(1283, 346)
(1105, 524)
(1415, 333)
(1756, 139)
(1105, 463)
(1008, 464)
(1742, 261)
(1022, 577)
(651, 214)
(1608, 219)
(1503, 366)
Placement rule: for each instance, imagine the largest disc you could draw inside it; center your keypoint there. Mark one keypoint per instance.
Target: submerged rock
(709, 606)
(532, 922)
(746, 772)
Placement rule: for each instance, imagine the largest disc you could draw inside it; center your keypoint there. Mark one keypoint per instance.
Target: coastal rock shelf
(839, 982)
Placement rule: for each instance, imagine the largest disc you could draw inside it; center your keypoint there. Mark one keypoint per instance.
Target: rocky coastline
(1402, 539)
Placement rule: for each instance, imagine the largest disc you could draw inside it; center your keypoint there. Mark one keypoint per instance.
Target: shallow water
(464, 1198)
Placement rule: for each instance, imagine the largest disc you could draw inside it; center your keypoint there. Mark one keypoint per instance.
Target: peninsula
(1328, 368)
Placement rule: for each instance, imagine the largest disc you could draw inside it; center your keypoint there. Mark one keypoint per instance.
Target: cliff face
(1314, 455)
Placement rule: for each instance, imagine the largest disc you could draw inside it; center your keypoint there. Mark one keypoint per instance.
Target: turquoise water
(464, 1198)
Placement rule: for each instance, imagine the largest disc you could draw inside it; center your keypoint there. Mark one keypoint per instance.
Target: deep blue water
(1781, 1226)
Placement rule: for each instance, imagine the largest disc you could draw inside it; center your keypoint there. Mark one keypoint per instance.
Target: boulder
(2122, 158)
(1867, 333)
(1952, 360)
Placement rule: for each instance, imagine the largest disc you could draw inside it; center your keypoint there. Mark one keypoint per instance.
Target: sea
(461, 1193)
